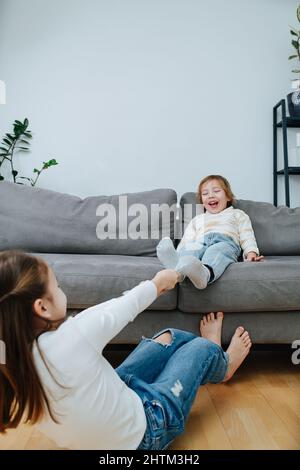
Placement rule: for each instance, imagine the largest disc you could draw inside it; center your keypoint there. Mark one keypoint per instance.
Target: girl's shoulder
(239, 213)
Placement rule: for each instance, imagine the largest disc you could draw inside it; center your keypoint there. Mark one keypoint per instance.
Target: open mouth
(213, 205)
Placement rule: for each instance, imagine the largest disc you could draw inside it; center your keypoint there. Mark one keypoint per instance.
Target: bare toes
(239, 330)
(245, 335)
(220, 315)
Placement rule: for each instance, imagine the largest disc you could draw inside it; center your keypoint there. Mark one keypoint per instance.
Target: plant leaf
(295, 44)
(1, 178)
(49, 163)
(292, 57)
(296, 71)
(298, 13)
(295, 30)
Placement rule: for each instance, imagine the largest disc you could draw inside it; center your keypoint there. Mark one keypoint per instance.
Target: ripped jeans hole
(156, 336)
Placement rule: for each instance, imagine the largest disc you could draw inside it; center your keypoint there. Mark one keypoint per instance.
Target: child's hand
(252, 256)
(165, 280)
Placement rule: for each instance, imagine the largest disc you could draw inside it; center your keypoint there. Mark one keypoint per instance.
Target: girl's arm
(101, 323)
(246, 235)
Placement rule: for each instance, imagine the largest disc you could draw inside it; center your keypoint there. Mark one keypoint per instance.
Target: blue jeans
(216, 251)
(167, 377)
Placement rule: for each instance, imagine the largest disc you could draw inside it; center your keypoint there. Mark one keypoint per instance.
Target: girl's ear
(39, 308)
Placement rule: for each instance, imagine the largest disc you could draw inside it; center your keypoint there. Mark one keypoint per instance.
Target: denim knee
(161, 332)
(208, 345)
(177, 335)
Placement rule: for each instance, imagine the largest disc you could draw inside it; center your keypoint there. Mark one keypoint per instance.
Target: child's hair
(23, 279)
(224, 185)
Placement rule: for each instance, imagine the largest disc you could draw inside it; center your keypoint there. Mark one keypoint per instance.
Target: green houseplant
(293, 98)
(19, 141)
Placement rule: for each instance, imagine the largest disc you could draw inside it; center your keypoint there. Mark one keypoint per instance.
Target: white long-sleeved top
(232, 222)
(96, 409)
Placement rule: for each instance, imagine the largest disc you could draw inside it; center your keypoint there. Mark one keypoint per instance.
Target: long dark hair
(23, 279)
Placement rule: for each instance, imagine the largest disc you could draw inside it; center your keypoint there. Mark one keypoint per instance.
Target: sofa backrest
(277, 229)
(40, 220)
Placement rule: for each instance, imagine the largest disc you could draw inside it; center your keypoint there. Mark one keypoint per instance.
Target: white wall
(131, 95)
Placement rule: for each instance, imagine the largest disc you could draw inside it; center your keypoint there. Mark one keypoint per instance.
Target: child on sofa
(56, 376)
(212, 240)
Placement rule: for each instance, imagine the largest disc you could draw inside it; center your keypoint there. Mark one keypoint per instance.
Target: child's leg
(167, 401)
(166, 253)
(195, 248)
(198, 362)
(219, 256)
(189, 264)
(195, 270)
(149, 358)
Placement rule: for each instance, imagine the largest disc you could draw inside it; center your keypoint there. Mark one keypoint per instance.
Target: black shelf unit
(285, 123)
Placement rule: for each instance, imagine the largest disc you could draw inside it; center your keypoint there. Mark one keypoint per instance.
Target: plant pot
(293, 100)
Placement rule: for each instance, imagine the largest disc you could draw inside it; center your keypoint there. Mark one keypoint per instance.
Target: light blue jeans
(167, 377)
(216, 251)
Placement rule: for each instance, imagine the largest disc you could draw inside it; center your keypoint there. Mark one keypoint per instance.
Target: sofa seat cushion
(91, 279)
(269, 285)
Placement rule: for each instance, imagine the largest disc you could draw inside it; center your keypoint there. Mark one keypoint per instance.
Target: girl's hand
(252, 256)
(165, 280)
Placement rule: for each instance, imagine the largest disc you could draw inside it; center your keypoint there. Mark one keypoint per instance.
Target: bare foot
(211, 327)
(237, 351)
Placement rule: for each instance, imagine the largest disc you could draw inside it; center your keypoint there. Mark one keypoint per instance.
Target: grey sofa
(264, 296)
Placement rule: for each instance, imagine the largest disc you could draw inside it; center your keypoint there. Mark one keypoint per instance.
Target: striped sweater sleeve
(246, 234)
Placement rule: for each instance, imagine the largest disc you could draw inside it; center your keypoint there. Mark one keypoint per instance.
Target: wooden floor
(258, 409)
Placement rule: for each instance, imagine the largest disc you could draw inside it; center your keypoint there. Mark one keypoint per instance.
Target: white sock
(195, 270)
(167, 254)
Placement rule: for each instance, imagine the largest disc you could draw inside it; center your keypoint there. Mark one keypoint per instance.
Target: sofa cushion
(46, 221)
(269, 285)
(91, 279)
(277, 229)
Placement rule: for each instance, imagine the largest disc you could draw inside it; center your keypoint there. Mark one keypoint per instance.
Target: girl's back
(94, 407)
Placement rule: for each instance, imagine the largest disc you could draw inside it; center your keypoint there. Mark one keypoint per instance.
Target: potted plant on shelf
(293, 98)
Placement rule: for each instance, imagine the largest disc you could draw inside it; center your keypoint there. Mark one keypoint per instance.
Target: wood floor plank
(39, 441)
(16, 438)
(204, 429)
(286, 404)
(249, 420)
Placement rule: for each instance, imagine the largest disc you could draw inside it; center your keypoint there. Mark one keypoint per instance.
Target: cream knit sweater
(232, 222)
